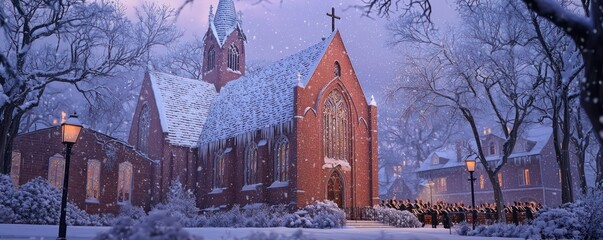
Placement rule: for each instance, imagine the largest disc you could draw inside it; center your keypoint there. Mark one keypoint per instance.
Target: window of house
(15, 167)
(524, 177)
(219, 171)
(124, 183)
(144, 124)
(435, 160)
(500, 179)
(482, 181)
(281, 160)
(441, 185)
(492, 148)
(56, 170)
(233, 58)
(211, 58)
(251, 164)
(337, 69)
(93, 180)
(336, 127)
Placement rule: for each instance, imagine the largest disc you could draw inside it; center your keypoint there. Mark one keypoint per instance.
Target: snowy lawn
(24, 231)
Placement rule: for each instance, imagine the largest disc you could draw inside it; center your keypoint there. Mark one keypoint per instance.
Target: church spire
(225, 19)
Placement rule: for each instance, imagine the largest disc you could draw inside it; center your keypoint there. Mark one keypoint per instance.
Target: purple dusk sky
(276, 30)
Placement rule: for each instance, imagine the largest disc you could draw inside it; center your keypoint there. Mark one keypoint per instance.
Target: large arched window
(218, 178)
(233, 58)
(93, 180)
(211, 59)
(144, 123)
(56, 170)
(281, 160)
(336, 127)
(251, 164)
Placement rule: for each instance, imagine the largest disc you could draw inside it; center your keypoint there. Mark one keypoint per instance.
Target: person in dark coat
(434, 218)
(529, 213)
(446, 219)
(515, 213)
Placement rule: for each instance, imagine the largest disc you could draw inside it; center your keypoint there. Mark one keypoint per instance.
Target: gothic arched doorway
(335, 189)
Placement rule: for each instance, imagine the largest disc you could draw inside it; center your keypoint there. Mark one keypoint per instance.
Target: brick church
(296, 131)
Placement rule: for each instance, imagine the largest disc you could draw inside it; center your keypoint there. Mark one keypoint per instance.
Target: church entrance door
(335, 189)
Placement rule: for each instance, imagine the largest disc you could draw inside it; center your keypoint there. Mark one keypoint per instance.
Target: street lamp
(70, 130)
(470, 164)
(430, 184)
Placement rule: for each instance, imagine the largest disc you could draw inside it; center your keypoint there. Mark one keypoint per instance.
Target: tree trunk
(9, 128)
(599, 164)
(591, 94)
(581, 174)
(498, 196)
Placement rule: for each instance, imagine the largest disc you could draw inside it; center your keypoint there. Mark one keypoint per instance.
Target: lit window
(144, 123)
(233, 58)
(251, 164)
(336, 127)
(219, 171)
(15, 167)
(93, 180)
(441, 186)
(281, 160)
(124, 183)
(211, 58)
(500, 179)
(56, 170)
(524, 177)
(482, 181)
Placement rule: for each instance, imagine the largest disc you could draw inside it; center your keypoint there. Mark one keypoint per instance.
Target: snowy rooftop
(539, 135)
(183, 106)
(262, 99)
(225, 20)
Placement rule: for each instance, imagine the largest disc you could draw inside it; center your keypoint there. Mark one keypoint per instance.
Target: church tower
(224, 52)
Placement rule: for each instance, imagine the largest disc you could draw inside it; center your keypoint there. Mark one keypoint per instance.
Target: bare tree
(485, 72)
(184, 60)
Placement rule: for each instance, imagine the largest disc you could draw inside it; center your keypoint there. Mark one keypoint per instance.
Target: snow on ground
(23, 231)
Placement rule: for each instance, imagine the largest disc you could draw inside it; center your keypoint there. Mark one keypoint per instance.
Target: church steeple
(224, 53)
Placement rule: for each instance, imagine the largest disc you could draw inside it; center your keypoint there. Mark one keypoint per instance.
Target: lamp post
(70, 130)
(430, 184)
(470, 164)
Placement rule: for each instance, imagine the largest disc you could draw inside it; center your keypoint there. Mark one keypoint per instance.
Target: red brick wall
(360, 184)
(219, 76)
(156, 135)
(37, 147)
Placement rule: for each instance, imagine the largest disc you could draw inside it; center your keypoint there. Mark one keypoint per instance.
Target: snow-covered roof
(262, 99)
(183, 105)
(225, 20)
(539, 135)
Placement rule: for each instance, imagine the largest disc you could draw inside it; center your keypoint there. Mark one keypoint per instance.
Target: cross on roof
(333, 17)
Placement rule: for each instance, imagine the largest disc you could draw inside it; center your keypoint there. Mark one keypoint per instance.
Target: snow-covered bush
(396, 218)
(494, 230)
(297, 235)
(103, 219)
(36, 202)
(159, 225)
(320, 214)
(180, 203)
(131, 211)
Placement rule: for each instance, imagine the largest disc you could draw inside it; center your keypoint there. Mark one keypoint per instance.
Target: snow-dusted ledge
(251, 187)
(211, 209)
(333, 163)
(92, 200)
(233, 71)
(253, 206)
(216, 191)
(279, 184)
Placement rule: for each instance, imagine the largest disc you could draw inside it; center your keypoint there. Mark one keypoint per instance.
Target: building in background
(531, 173)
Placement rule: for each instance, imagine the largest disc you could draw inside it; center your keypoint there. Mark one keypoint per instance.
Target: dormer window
(233, 58)
(435, 160)
(211, 59)
(337, 69)
(492, 148)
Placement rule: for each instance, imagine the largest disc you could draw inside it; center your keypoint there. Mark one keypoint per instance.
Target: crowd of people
(452, 213)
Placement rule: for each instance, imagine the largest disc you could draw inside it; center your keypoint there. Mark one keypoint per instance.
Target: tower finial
(373, 102)
(211, 14)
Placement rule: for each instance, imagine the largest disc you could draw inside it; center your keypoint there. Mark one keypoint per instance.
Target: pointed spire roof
(225, 20)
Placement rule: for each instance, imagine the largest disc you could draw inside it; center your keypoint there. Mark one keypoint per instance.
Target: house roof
(540, 135)
(183, 105)
(262, 99)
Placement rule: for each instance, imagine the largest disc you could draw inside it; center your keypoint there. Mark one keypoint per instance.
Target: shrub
(158, 225)
(494, 230)
(396, 218)
(320, 214)
(180, 203)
